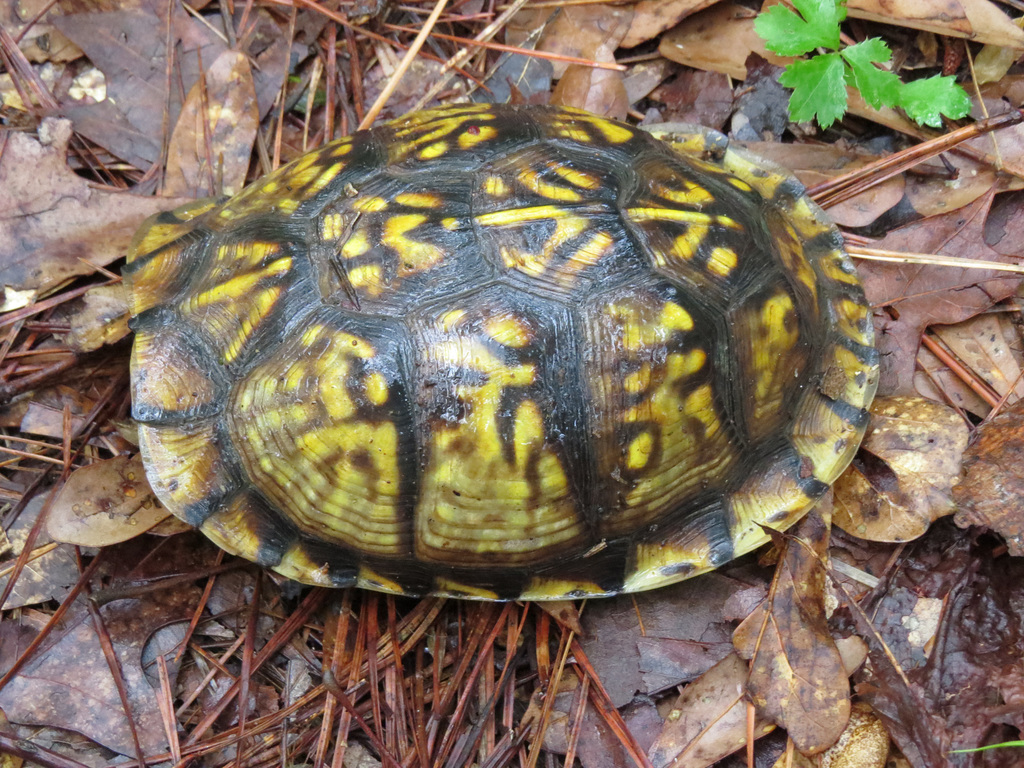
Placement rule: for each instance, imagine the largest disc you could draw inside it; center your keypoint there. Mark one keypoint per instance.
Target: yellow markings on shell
(240, 286)
(483, 133)
(239, 256)
(658, 564)
(576, 177)
(377, 388)
(261, 305)
(231, 528)
(852, 317)
(295, 564)
(308, 445)
(369, 578)
(649, 213)
(414, 255)
(675, 317)
(183, 463)
(326, 177)
(639, 452)
(739, 184)
(495, 186)
(684, 246)
(478, 503)
(568, 224)
(357, 244)
(722, 261)
(543, 588)
(509, 330)
(340, 148)
(367, 277)
(638, 381)
(613, 132)
(513, 216)
(331, 226)
(451, 223)
(419, 199)
(433, 151)
(369, 204)
(450, 319)
(452, 588)
(533, 181)
(690, 193)
(588, 255)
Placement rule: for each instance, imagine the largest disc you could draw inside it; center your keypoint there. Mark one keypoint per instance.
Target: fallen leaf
(709, 719)
(105, 503)
(55, 225)
(217, 125)
(992, 487)
(901, 480)
(46, 577)
(921, 295)
(797, 676)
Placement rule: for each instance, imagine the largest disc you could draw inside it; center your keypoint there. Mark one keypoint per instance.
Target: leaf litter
(160, 648)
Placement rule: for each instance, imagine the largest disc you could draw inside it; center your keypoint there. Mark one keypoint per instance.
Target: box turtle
(499, 352)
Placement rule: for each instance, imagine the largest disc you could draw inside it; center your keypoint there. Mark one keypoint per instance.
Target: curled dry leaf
(993, 481)
(902, 478)
(709, 719)
(105, 503)
(797, 676)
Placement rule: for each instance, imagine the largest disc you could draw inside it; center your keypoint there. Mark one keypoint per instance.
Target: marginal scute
(499, 352)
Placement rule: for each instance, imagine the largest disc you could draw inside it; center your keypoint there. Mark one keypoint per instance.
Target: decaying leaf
(105, 503)
(797, 676)
(902, 478)
(51, 568)
(709, 719)
(212, 142)
(863, 744)
(992, 487)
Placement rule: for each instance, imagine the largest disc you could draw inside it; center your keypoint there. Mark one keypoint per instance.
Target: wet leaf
(797, 677)
(105, 503)
(915, 296)
(992, 487)
(709, 719)
(902, 479)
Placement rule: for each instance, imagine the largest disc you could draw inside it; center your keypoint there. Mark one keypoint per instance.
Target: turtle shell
(499, 352)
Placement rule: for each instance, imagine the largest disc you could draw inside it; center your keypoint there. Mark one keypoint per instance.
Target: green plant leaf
(819, 89)
(789, 34)
(879, 87)
(925, 101)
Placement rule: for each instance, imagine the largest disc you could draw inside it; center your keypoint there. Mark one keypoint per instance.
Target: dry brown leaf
(69, 684)
(977, 20)
(903, 477)
(797, 676)
(864, 743)
(652, 17)
(585, 31)
(596, 90)
(217, 124)
(54, 224)
(709, 719)
(105, 503)
(991, 490)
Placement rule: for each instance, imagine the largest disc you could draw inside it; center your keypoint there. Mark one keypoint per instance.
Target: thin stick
(404, 65)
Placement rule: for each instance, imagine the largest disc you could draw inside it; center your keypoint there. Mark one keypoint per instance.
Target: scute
(499, 352)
